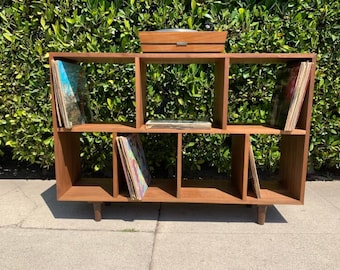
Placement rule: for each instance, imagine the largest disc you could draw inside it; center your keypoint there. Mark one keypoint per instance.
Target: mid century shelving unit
(288, 188)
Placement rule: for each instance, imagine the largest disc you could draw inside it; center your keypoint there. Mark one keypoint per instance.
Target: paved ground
(37, 232)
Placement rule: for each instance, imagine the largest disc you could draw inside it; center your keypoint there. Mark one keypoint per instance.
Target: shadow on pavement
(183, 212)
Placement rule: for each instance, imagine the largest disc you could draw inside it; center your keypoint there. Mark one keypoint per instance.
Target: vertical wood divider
(240, 162)
(220, 106)
(140, 73)
(115, 166)
(179, 163)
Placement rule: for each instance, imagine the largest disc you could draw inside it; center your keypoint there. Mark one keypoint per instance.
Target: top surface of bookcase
(95, 57)
(169, 58)
(258, 58)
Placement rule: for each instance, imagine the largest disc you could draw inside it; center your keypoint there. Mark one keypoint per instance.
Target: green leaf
(191, 144)
(71, 20)
(43, 22)
(193, 5)
(48, 141)
(127, 24)
(8, 36)
(11, 144)
(190, 22)
(110, 20)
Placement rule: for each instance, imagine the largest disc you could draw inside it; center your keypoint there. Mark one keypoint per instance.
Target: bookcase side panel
(221, 93)
(293, 164)
(140, 94)
(67, 160)
(240, 162)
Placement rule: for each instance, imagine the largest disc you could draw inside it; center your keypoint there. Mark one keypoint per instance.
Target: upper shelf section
(137, 71)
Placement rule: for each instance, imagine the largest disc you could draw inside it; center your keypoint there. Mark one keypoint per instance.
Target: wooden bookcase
(288, 188)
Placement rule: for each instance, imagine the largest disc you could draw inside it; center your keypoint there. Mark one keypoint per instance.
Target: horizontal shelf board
(89, 189)
(160, 190)
(260, 129)
(102, 127)
(269, 197)
(262, 58)
(100, 189)
(209, 191)
(130, 128)
(86, 193)
(184, 58)
(143, 129)
(96, 57)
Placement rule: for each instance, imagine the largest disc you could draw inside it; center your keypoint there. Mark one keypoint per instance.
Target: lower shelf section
(192, 191)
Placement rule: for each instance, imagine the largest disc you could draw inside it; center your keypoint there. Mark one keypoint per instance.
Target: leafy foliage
(31, 29)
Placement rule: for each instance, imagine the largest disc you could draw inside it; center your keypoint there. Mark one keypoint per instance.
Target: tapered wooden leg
(261, 214)
(97, 207)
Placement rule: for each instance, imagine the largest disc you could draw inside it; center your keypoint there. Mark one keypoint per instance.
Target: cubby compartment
(180, 92)
(285, 185)
(76, 185)
(178, 88)
(203, 180)
(256, 83)
(163, 169)
(110, 97)
(264, 79)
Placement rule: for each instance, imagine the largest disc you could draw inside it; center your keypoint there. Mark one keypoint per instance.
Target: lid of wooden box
(177, 40)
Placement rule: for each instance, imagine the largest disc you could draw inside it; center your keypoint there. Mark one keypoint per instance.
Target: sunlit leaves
(31, 30)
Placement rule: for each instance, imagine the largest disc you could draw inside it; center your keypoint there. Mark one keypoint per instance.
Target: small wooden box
(182, 41)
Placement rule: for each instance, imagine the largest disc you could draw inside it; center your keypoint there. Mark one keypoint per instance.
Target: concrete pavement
(38, 232)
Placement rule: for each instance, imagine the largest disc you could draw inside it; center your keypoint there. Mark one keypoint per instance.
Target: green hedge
(31, 29)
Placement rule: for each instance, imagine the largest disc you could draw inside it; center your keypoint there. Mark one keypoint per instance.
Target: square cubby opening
(111, 93)
(252, 92)
(180, 92)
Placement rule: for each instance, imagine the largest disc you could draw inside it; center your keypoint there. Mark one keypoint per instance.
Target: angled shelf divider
(287, 188)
